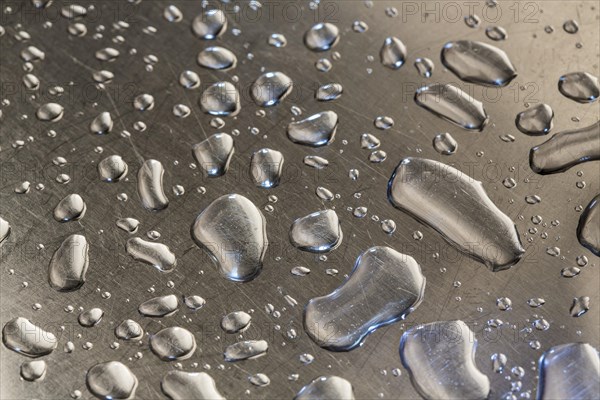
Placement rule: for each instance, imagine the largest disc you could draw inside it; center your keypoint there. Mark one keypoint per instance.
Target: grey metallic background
(540, 59)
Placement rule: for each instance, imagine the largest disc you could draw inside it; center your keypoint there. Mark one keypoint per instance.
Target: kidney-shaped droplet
(69, 264)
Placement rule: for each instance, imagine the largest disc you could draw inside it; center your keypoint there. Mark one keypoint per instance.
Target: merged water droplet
(316, 130)
(579, 86)
(214, 154)
(180, 385)
(458, 207)
(393, 53)
(329, 92)
(245, 350)
(102, 124)
(588, 228)
(174, 343)
(565, 150)
(129, 330)
(210, 24)
(326, 387)
(266, 167)
(156, 254)
(232, 230)
(222, 99)
(384, 286)
(319, 232)
(569, 371)
(445, 144)
(150, 186)
(478, 62)
(162, 306)
(51, 112)
(440, 358)
(33, 370)
(321, 37)
(111, 380)
(217, 58)
(536, 120)
(69, 264)
(70, 208)
(22, 336)
(235, 322)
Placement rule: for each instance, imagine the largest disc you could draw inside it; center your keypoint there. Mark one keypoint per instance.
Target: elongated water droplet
(329, 92)
(22, 336)
(499, 362)
(90, 317)
(50, 112)
(326, 387)
(69, 264)
(588, 228)
(496, 33)
(566, 149)
(102, 124)
(458, 207)
(321, 37)
(245, 350)
(129, 330)
(425, 67)
(266, 167)
(324, 194)
(393, 53)
(194, 302)
(210, 24)
(180, 385)
(107, 54)
(173, 343)
(368, 141)
(454, 105)
(129, 225)
(31, 82)
(111, 381)
(478, 62)
(217, 58)
(150, 186)
(316, 162)
(579, 86)
(70, 208)
(445, 144)
(232, 230)
(221, 98)
(569, 371)
(33, 370)
(271, 88)
(162, 306)
(214, 154)
(156, 254)
(440, 358)
(536, 120)
(319, 232)
(384, 286)
(235, 322)
(316, 130)
(172, 13)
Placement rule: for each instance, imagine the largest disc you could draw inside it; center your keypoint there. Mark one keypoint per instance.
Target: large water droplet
(588, 228)
(70, 208)
(271, 88)
(393, 53)
(319, 232)
(454, 105)
(50, 112)
(316, 130)
(69, 264)
(478, 62)
(180, 385)
(536, 120)
(173, 343)
(266, 167)
(440, 358)
(245, 350)
(569, 371)
(457, 206)
(233, 232)
(33, 370)
(566, 149)
(384, 286)
(162, 306)
(321, 37)
(150, 186)
(221, 98)
(156, 254)
(216, 57)
(210, 24)
(326, 387)
(214, 154)
(112, 169)
(579, 86)
(111, 381)
(22, 336)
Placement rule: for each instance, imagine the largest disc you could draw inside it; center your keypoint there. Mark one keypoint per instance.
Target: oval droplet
(222, 99)
(445, 144)
(316, 130)
(180, 385)
(51, 112)
(425, 67)
(214, 154)
(102, 124)
(174, 343)
(321, 37)
(112, 169)
(245, 350)
(217, 58)
(111, 380)
(271, 88)
(235, 322)
(129, 330)
(210, 24)
(69, 264)
(70, 208)
(329, 92)
(266, 167)
(33, 370)
(393, 53)
(162, 306)
(326, 387)
(579, 86)
(22, 336)
(90, 317)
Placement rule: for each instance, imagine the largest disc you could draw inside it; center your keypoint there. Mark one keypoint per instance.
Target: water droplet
(111, 380)
(217, 58)
(326, 387)
(260, 380)
(32, 53)
(536, 302)
(496, 33)
(235, 322)
(504, 304)
(271, 88)
(388, 226)
(210, 24)
(107, 54)
(329, 92)
(498, 362)
(150, 186)
(392, 53)
(580, 306)
(316, 130)
(321, 37)
(571, 26)
(579, 86)
(50, 112)
(424, 66)
(319, 232)
(129, 330)
(234, 223)
(383, 122)
(162, 306)
(70, 208)
(588, 233)
(180, 385)
(277, 40)
(156, 254)
(324, 194)
(472, 21)
(221, 98)
(245, 350)
(31, 82)
(378, 156)
(174, 343)
(33, 370)
(143, 102)
(537, 120)
(214, 154)
(102, 124)
(112, 169)
(445, 144)
(69, 264)
(189, 79)
(454, 193)
(316, 162)
(22, 336)
(90, 317)
(172, 14)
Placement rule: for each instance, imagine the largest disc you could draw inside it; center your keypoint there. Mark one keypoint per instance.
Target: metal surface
(540, 58)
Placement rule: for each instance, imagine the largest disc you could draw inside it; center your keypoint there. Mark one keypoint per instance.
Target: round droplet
(189, 79)
(221, 98)
(143, 102)
(112, 169)
(277, 40)
(70, 208)
(445, 144)
(102, 124)
(173, 343)
(111, 380)
(210, 24)
(271, 88)
(321, 37)
(496, 33)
